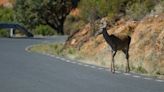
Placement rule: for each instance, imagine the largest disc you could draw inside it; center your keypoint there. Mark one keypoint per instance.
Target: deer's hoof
(113, 71)
(127, 71)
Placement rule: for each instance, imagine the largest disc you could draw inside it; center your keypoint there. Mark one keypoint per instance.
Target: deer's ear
(109, 25)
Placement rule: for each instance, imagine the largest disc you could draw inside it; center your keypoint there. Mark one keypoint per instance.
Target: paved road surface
(21, 71)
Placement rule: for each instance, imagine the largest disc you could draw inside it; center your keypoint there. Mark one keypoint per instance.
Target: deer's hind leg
(126, 51)
(112, 63)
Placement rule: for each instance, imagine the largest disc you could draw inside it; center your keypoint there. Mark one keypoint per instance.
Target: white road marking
(63, 59)
(86, 65)
(47, 54)
(136, 76)
(117, 71)
(27, 48)
(93, 66)
(107, 70)
(100, 68)
(57, 57)
(127, 74)
(147, 78)
(73, 62)
(159, 80)
(68, 61)
(79, 63)
(51, 55)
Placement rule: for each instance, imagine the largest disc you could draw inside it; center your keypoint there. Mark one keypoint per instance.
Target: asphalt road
(22, 71)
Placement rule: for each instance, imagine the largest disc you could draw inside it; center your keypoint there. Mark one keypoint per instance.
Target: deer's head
(102, 27)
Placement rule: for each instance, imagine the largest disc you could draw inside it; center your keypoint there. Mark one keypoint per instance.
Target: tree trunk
(60, 29)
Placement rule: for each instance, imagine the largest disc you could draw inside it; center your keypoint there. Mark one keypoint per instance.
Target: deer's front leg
(127, 65)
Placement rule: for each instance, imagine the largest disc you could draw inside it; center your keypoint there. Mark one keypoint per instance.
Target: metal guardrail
(13, 26)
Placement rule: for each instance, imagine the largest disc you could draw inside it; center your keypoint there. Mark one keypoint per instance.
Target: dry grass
(147, 48)
(55, 49)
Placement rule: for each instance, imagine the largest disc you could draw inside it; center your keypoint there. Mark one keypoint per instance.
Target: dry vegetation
(146, 48)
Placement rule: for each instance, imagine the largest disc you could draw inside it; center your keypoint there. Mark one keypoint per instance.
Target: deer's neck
(105, 34)
(107, 37)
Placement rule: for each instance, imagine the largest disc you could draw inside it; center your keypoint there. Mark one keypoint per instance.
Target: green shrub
(92, 9)
(4, 33)
(44, 30)
(6, 15)
(135, 9)
(72, 24)
(71, 51)
(140, 69)
(139, 8)
(159, 8)
(56, 48)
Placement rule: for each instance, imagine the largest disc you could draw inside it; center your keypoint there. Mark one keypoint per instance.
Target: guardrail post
(11, 32)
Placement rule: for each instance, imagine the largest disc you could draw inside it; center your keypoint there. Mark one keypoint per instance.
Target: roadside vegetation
(56, 50)
(6, 15)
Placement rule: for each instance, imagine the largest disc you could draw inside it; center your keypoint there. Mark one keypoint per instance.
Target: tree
(6, 14)
(47, 12)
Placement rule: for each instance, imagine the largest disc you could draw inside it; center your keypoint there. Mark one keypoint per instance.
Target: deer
(116, 42)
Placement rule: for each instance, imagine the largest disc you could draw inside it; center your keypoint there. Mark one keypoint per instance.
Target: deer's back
(119, 41)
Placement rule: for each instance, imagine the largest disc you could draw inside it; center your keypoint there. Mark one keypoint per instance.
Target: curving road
(22, 71)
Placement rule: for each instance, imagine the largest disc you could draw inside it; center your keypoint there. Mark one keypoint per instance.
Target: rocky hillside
(6, 3)
(146, 48)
